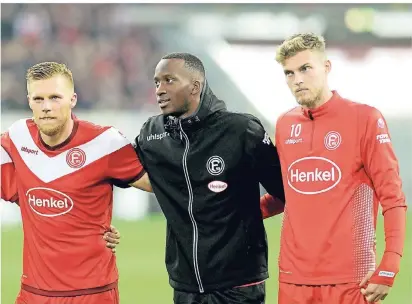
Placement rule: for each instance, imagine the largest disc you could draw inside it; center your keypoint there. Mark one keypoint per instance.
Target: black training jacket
(205, 171)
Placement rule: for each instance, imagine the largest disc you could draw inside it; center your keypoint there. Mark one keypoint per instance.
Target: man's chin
(50, 131)
(170, 112)
(306, 103)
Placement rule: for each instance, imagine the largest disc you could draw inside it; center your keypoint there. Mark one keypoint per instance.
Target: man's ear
(328, 66)
(73, 101)
(196, 87)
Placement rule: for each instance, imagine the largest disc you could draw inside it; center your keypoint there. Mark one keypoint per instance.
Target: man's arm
(382, 167)
(125, 167)
(266, 164)
(271, 206)
(143, 183)
(8, 173)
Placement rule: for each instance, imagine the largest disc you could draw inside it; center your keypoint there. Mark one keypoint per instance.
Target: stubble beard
(312, 102)
(51, 130)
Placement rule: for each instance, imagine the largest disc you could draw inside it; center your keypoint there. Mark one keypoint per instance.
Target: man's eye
(169, 80)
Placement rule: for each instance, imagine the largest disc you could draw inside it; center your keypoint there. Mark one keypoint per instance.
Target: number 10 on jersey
(295, 130)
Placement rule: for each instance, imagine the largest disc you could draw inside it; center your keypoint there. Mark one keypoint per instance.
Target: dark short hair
(191, 61)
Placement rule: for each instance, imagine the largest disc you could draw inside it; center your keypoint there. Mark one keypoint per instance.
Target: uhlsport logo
(313, 175)
(30, 151)
(48, 202)
(157, 136)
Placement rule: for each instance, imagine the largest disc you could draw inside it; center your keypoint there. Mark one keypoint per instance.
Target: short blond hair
(46, 70)
(298, 43)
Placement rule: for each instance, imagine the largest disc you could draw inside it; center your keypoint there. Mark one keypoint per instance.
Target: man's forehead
(57, 84)
(300, 59)
(169, 66)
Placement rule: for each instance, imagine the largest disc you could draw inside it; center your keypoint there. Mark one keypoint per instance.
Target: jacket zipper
(313, 130)
(190, 209)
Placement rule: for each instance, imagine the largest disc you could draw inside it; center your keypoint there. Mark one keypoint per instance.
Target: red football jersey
(66, 199)
(337, 164)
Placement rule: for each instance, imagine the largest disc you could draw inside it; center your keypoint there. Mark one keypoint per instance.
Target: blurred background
(112, 50)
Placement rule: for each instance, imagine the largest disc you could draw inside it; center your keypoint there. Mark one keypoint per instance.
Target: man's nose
(298, 79)
(160, 90)
(46, 105)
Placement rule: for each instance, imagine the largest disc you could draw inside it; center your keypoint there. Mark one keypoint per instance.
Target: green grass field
(143, 277)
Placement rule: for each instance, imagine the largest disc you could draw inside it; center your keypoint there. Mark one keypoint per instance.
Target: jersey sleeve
(382, 167)
(124, 164)
(265, 160)
(380, 162)
(8, 174)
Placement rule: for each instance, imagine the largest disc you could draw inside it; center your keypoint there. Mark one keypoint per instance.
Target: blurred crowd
(112, 64)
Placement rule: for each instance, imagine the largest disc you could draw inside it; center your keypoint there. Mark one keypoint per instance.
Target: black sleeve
(265, 159)
(137, 148)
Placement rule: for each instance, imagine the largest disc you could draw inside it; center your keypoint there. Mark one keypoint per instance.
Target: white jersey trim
(48, 168)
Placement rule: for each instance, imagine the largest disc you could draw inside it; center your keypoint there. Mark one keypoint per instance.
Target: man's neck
(324, 98)
(59, 138)
(191, 110)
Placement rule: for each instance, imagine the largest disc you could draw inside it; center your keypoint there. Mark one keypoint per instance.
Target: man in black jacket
(205, 165)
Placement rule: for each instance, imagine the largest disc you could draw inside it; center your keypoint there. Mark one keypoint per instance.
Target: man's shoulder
(360, 106)
(22, 128)
(89, 131)
(292, 113)
(89, 128)
(363, 110)
(153, 121)
(249, 125)
(238, 119)
(21, 125)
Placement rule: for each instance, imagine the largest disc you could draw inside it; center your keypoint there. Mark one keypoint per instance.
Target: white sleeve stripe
(5, 157)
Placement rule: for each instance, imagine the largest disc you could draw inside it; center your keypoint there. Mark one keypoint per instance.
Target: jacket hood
(208, 105)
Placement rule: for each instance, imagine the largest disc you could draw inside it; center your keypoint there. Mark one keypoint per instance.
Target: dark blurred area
(112, 65)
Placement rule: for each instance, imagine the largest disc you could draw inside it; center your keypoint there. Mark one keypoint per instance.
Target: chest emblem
(215, 165)
(332, 140)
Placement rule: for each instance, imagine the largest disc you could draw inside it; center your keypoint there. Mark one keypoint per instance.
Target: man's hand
(373, 292)
(112, 237)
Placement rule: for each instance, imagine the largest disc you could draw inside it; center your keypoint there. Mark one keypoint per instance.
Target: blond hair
(46, 70)
(299, 43)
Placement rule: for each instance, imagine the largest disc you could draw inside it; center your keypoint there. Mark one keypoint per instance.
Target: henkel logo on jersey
(49, 202)
(313, 175)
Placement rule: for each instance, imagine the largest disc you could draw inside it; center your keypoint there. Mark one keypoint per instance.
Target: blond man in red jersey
(337, 164)
(65, 169)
